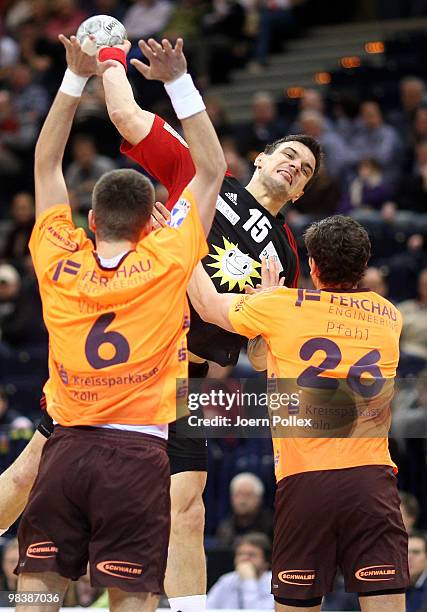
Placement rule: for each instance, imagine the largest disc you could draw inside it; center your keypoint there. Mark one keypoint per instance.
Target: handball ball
(108, 31)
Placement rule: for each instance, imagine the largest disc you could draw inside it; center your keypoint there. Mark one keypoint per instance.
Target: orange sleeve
(55, 237)
(254, 315)
(184, 240)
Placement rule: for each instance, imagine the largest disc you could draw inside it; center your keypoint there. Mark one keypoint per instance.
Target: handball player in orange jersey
(336, 503)
(117, 317)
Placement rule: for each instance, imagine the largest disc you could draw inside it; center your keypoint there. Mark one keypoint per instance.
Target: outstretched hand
(83, 63)
(270, 276)
(166, 63)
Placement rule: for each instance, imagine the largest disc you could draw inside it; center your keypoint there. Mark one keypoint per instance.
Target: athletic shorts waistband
(100, 433)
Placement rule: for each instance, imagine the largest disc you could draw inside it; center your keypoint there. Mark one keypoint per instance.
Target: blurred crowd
(375, 168)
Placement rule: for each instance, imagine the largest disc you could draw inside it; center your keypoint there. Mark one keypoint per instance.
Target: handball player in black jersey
(248, 225)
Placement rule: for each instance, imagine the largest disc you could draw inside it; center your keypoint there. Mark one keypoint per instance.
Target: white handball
(108, 31)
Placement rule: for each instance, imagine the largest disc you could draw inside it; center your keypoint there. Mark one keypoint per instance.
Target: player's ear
(91, 221)
(258, 160)
(297, 197)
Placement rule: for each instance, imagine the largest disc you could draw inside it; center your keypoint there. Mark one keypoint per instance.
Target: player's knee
(188, 515)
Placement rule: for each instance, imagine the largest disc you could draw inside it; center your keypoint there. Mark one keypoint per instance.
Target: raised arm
(49, 178)
(133, 123)
(168, 64)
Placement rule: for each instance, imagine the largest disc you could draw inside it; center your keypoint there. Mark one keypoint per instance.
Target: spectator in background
(248, 513)
(263, 128)
(411, 422)
(369, 190)
(311, 100)
(16, 240)
(249, 586)
(217, 114)
(338, 156)
(29, 97)
(9, 562)
(374, 279)
(87, 167)
(223, 28)
(275, 19)
(410, 510)
(416, 595)
(413, 340)
(412, 95)
(10, 283)
(65, 19)
(419, 131)
(17, 138)
(16, 431)
(146, 18)
(236, 164)
(378, 140)
(412, 190)
(115, 8)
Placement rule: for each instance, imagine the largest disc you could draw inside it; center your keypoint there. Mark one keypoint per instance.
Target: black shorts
(348, 518)
(187, 454)
(101, 496)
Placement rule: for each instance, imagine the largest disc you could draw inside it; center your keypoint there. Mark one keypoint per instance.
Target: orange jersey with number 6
(338, 350)
(117, 337)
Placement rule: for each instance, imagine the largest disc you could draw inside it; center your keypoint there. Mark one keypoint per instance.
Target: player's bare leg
(383, 603)
(282, 608)
(16, 482)
(122, 601)
(186, 567)
(50, 583)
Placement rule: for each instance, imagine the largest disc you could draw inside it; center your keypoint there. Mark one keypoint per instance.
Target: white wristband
(73, 84)
(185, 98)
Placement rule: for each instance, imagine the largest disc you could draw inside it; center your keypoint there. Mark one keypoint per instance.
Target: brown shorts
(348, 519)
(101, 496)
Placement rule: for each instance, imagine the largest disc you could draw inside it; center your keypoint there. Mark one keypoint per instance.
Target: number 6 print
(98, 336)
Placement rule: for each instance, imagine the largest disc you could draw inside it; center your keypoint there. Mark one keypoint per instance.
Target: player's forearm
(16, 482)
(205, 148)
(211, 306)
(133, 123)
(55, 132)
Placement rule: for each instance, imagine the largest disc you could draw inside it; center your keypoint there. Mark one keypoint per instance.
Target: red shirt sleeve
(164, 155)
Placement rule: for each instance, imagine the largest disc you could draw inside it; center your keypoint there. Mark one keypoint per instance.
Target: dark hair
(421, 535)
(410, 503)
(341, 248)
(122, 201)
(307, 141)
(258, 539)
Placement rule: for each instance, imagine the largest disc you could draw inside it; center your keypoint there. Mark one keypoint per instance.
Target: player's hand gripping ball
(108, 32)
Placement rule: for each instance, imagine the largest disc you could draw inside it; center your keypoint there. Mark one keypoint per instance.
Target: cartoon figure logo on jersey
(234, 267)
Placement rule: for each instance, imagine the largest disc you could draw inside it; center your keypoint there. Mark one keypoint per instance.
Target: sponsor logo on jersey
(376, 573)
(121, 569)
(42, 550)
(232, 197)
(226, 210)
(269, 251)
(298, 577)
(233, 266)
(179, 212)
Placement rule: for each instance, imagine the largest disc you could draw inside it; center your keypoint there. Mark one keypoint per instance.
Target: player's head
(287, 166)
(122, 202)
(338, 249)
